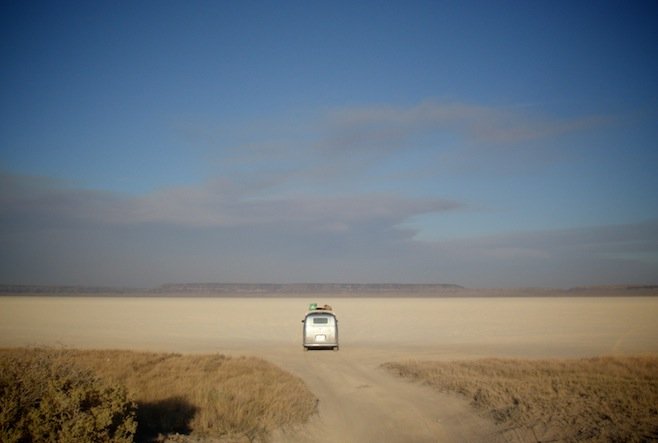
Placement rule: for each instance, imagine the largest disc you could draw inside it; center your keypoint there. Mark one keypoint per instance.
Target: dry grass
(44, 399)
(202, 395)
(606, 399)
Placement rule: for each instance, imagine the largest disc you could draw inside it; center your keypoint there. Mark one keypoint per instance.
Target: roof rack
(315, 307)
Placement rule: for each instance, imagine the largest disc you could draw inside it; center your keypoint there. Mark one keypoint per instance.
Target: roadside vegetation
(71, 395)
(608, 399)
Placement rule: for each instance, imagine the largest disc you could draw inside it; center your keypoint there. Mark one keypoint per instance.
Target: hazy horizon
(484, 144)
(331, 289)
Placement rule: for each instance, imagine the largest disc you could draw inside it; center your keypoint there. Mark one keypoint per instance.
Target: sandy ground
(359, 402)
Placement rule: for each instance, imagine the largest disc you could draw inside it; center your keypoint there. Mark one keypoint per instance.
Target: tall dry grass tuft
(202, 395)
(607, 399)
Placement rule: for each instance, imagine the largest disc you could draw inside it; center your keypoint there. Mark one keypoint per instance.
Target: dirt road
(360, 402)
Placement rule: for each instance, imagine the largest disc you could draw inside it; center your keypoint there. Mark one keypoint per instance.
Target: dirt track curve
(360, 402)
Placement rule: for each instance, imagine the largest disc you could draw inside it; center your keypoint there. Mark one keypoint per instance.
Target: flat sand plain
(358, 401)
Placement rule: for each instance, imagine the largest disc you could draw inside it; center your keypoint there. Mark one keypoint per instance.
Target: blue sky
(486, 144)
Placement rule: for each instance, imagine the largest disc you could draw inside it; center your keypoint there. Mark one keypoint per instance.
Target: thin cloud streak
(390, 127)
(608, 254)
(216, 204)
(607, 239)
(342, 146)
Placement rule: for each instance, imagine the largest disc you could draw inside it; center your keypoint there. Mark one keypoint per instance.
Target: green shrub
(47, 399)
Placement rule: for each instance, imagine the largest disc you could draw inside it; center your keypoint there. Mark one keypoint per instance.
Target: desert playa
(358, 400)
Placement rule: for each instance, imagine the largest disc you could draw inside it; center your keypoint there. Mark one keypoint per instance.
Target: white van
(320, 330)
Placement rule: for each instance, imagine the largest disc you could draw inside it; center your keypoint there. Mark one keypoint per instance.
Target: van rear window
(320, 320)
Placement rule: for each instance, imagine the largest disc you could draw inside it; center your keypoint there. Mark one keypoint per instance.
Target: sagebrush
(45, 399)
(606, 399)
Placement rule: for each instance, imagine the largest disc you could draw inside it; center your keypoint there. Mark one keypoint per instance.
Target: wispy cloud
(220, 203)
(63, 234)
(300, 204)
(344, 144)
(603, 240)
(607, 254)
(53, 232)
(392, 126)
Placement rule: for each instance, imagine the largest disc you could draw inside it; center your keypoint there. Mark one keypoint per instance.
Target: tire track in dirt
(360, 402)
